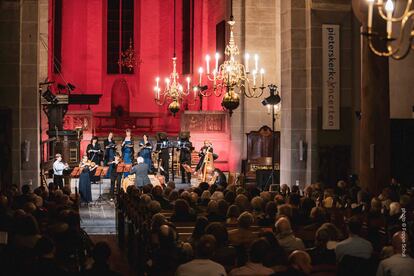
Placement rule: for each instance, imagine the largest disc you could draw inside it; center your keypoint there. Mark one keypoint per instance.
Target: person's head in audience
(233, 212)
(26, 225)
(212, 208)
(206, 247)
(181, 207)
(205, 196)
(271, 209)
(199, 227)
(157, 220)
(318, 215)
(203, 186)
(171, 184)
(198, 191)
(282, 226)
(26, 189)
(154, 207)
(173, 196)
(243, 202)
(284, 189)
(284, 210)
(301, 261)
(217, 195)
(295, 190)
(375, 205)
(230, 196)
(294, 199)
(257, 204)
(101, 253)
(258, 250)
(157, 191)
(279, 199)
(395, 209)
(245, 220)
(29, 207)
(266, 196)
(399, 239)
(45, 248)
(223, 206)
(186, 196)
(354, 226)
(194, 198)
(167, 191)
(219, 231)
(167, 237)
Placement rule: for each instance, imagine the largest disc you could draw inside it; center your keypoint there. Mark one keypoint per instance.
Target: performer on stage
(146, 150)
(219, 178)
(110, 150)
(141, 173)
(163, 157)
(94, 154)
(208, 147)
(115, 176)
(127, 149)
(185, 159)
(87, 167)
(58, 168)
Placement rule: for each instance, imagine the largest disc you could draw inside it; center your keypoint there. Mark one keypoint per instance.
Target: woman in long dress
(110, 150)
(146, 151)
(127, 149)
(85, 180)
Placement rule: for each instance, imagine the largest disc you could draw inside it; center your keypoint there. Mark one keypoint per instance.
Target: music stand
(75, 174)
(100, 172)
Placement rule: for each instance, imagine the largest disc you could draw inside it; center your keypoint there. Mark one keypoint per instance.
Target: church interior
(209, 137)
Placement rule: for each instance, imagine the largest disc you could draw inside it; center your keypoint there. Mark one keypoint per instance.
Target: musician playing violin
(94, 154)
(115, 176)
(87, 168)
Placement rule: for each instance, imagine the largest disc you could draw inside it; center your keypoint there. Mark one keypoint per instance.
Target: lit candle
(246, 62)
(167, 82)
(200, 72)
(268, 108)
(208, 64)
(256, 62)
(389, 7)
(217, 56)
(370, 10)
(254, 77)
(188, 83)
(214, 76)
(195, 91)
(157, 80)
(262, 76)
(156, 93)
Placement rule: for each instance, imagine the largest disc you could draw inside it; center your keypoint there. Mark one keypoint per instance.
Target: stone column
(294, 125)
(29, 110)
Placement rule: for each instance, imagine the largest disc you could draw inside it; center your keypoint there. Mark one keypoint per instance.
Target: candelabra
(232, 77)
(173, 92)
(397, 47)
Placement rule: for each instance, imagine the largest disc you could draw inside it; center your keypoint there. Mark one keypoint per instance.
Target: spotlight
(273, 99)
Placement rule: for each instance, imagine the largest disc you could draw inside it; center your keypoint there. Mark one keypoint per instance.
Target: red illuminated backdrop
(83, 62)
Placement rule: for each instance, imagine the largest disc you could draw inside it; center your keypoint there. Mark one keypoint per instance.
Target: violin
(92, 165)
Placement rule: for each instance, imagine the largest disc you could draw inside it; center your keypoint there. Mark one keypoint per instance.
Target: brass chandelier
(232, 77)
(397, 45)
(173, 92)
(127, 57)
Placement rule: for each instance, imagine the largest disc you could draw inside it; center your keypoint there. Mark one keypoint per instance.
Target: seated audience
(101, 253)
(202, 264)
(255, 266)
(286, 237)
(400, 263)
(299, 264)
(243, 235)
(354, 245)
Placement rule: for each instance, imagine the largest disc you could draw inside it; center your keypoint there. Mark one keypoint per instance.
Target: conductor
(141, 173)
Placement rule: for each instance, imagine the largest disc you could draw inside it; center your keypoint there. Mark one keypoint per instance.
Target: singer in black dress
(85, 180)
(110, 151)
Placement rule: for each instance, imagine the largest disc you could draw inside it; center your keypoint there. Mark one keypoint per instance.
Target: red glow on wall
(84, 36)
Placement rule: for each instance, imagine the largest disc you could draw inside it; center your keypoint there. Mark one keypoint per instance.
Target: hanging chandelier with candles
(232, 77)
(173, 92)
(398, 44)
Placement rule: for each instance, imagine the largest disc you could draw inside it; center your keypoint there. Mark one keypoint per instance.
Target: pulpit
(257, 167)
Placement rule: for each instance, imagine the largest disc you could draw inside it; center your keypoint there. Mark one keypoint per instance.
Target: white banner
(331, 104)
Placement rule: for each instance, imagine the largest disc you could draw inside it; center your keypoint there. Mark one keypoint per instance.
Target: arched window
(120, 30)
